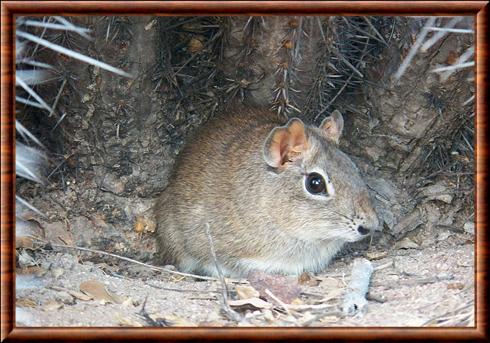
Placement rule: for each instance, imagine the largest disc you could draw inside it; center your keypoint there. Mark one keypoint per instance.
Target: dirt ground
(430, 284)
(439, 293)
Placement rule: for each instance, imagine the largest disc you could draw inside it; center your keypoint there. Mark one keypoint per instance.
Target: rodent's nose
(370, 218)
(362, 230)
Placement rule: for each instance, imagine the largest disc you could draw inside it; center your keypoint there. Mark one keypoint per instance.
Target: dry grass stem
(99, 252)
(230, 313)
(278, 301)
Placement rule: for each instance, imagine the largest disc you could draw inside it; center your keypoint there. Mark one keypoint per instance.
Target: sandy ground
(430, 286)
(425, 278)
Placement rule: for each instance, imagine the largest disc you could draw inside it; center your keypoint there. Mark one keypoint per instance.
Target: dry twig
(355, 298)
(230, 313)
(460, 316)
(64, 246)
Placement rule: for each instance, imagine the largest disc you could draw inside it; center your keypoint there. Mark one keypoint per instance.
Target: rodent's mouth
(344, 234)
(361, 237)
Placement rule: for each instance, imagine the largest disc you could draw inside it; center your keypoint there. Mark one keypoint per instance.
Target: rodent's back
(203, 188)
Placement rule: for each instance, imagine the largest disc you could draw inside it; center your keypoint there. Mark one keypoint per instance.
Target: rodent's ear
(332, 126)
(285, 143)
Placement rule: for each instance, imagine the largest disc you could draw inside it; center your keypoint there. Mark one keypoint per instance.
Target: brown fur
(259, 214)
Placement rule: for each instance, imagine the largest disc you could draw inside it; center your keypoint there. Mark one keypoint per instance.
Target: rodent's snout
(370, 220)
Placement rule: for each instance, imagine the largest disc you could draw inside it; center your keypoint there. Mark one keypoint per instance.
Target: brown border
(245, 7)
(11, 8)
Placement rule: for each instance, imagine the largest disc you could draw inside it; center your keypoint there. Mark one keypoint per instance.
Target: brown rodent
(278, 197)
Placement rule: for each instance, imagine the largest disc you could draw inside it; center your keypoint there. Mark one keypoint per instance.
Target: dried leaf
(178, 321)
(254, 303)
(307, 280)
(31, 270)
(125, 321)
(376, 255)
(25, 302)
(27, 232)
(246, 292)
(52, 305)
(80, 295)
(24, 242)
(99, 292)
(58, 233)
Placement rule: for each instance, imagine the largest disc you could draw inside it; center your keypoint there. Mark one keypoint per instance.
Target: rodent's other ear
(332, 126)
(285, 143)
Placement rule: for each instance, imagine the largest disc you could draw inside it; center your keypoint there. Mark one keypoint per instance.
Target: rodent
(278, 197)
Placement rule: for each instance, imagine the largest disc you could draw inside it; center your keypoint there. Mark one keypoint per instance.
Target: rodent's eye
(315, 184)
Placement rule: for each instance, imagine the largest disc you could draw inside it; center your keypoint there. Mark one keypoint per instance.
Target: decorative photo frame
(11, 9)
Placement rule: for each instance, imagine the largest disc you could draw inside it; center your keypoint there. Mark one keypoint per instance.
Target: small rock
(25, 260)
(406, 243)
(112, 184)
(64, 297)
(268, 315)
(195, 45)
(439, 191)
(469, 227)
(444, 235)
(144, 225)
(57, 272)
